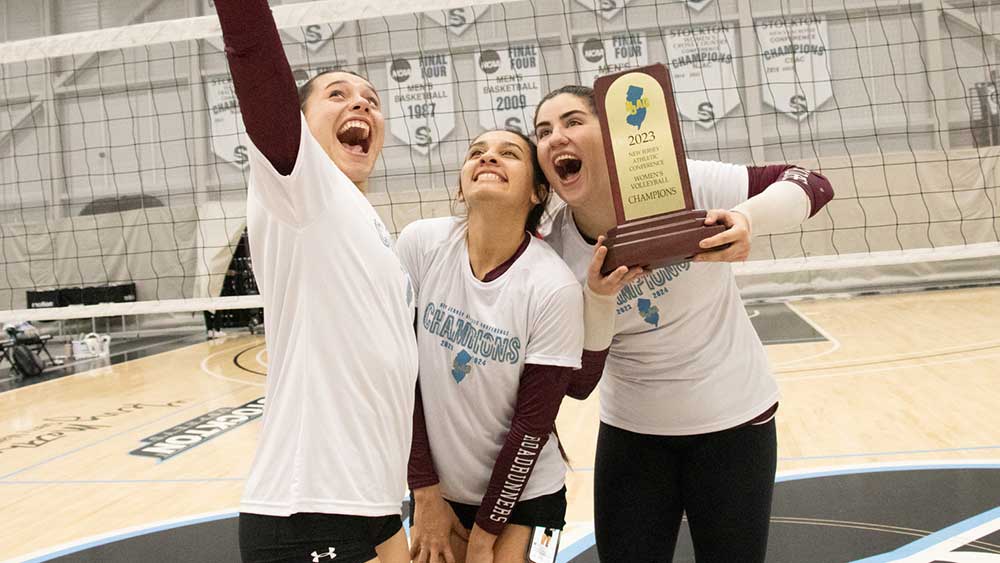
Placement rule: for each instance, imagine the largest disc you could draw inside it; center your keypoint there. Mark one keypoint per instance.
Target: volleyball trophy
(657, 222)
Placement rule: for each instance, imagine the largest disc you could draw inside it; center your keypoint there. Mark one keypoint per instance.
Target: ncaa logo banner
(509, 86)
(422, 107)
(457, 20)
(701, 68)
(186, 435)
(620, 52)
(795, 64)
(229, 140)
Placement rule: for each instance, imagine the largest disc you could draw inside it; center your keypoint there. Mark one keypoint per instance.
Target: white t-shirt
(342, 361)
(685, 358)
(474, 339)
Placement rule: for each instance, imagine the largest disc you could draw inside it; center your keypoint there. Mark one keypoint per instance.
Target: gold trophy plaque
(657, 222)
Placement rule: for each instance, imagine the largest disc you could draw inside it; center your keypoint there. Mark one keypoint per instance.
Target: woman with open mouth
(687, 397)
(500, 331)
(330, 467)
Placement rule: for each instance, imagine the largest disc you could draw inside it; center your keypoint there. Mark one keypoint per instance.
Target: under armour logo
(317, 556)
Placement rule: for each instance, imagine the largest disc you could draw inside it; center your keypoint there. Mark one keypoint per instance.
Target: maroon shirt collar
(502, 268)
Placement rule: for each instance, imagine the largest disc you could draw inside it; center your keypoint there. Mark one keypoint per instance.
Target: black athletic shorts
(313, 538)
(547, 511)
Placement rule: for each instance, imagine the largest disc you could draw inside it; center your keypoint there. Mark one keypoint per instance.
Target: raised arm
(262, 79)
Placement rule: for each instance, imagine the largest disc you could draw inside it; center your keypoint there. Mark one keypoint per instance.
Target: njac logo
(184, 436)
(400, 70)
(489, 61)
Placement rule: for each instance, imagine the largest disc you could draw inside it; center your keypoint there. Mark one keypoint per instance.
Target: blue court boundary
(570, 551)
(933, 539)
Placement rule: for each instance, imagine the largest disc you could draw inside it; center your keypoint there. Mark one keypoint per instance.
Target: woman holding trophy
(687, 398)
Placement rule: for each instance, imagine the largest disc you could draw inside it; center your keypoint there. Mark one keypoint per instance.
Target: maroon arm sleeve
(262, 79)
(585, 379)
(816, 186)
(538, 398)
(420, 472)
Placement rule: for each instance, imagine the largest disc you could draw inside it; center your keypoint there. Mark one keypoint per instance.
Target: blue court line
(105, 439)
(124, 481)
(900, 452)
(933, 539)
(576, 548)
(132, 534)
(588, 541)
(885, 469)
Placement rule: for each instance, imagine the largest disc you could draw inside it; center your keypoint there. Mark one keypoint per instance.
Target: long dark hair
(539, 183)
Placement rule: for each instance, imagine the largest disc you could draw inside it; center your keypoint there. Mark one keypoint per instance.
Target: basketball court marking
(856, 373)
(835, 344)
(106, 438)
(809, 446)
(579, 538)
(212, 373)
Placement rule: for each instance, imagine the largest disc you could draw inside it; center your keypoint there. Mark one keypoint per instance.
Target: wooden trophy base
(658, 241)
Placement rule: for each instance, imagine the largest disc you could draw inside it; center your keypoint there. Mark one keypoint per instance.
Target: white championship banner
(208, 9)
(620, 52)
(314, 36)
(795, 64)
(228, 132)
(701, 68)
(509, 86)
(457, 20)
(422, 100)
(607, 8)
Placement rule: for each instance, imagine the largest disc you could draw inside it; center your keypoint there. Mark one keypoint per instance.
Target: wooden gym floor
(879, 387)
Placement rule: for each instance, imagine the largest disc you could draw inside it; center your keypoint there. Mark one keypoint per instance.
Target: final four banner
(795, 64)
(422, 100)
(509, 85)
(702, 71)
(619, 52)
(228, 133)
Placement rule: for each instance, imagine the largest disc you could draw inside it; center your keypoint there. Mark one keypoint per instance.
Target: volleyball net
(123, 157)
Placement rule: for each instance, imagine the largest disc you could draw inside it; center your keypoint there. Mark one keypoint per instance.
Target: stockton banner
(228, 133)
(702, 71)
(795, 64)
